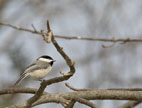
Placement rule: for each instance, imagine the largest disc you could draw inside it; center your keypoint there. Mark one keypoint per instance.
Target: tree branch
(19, 90)
(120, 89)
(86, 102)
(89, 95)
(43, 85)
(114, 40)
(95, 95)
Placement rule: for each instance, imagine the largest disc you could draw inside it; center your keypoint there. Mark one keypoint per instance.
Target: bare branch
(52, 98)
(43, 85)
(123, 40)
(89, 95)
(97, 95)
(49, 99)
(81, 100)
(18, 90)
(123, 89)
(69, 62)
(33, 90)
(19, 28)
(76, 89)
(105, 94)
(86, 102)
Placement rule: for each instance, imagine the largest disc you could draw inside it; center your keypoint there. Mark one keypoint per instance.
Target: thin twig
(20, 28)
(123, 40)
(34, 27)
(75, 89)
(87, 89)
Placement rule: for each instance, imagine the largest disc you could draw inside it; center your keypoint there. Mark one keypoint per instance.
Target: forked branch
(43, 85)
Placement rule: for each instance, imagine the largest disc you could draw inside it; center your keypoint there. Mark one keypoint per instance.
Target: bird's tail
(20, 79)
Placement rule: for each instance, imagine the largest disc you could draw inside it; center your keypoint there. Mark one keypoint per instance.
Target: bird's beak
(54, 60)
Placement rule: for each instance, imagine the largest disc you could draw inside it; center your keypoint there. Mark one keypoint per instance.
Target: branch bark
(94, 95)
(113, 39)
(85, 102)
(89, 95)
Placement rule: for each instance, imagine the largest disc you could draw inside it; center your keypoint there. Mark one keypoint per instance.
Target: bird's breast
(39, 74)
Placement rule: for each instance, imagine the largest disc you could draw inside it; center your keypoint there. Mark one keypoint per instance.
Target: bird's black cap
(46, 57)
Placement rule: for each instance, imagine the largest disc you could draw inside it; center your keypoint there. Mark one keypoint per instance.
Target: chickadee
(38, 69)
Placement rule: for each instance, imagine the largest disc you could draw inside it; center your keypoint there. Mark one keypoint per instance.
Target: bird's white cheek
(39, 74)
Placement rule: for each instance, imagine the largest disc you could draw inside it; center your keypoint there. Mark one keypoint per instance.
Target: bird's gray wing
(20, 79)
(35, 66)
(30, 68)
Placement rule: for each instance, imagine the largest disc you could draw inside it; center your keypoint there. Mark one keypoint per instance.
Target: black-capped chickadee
(38, 69)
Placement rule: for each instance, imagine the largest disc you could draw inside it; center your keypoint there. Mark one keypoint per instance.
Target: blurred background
(96, 67)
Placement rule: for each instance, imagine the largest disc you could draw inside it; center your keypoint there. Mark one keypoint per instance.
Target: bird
(38, 69)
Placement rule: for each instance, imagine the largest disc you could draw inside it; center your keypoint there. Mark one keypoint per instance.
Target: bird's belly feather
(39, 74)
